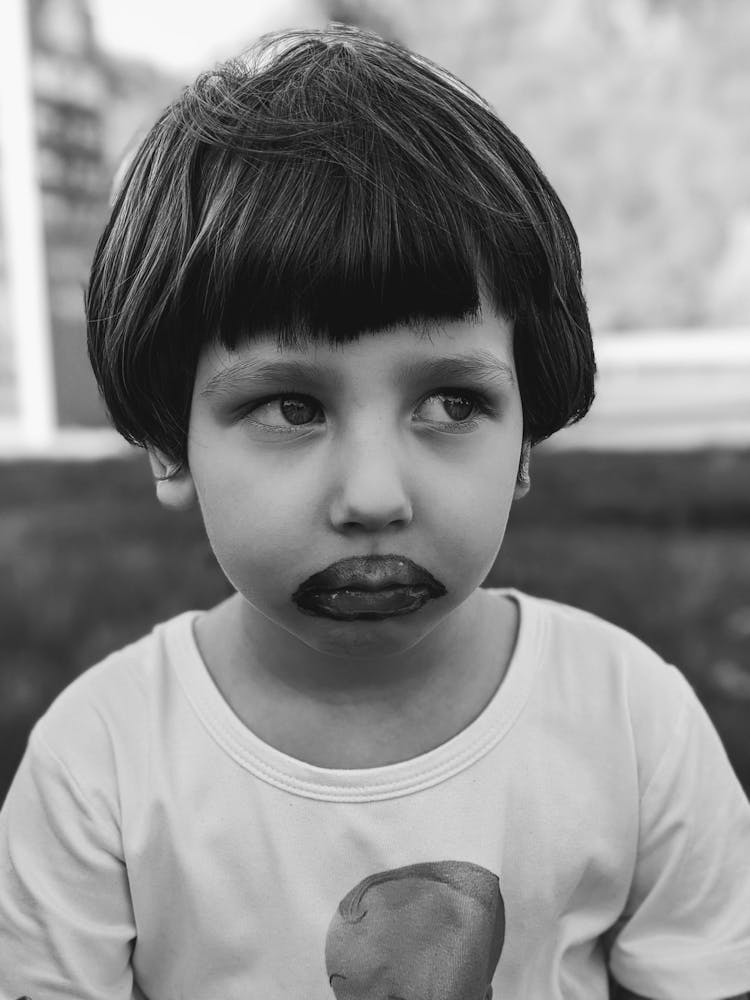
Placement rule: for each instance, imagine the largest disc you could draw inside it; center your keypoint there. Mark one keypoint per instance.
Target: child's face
(377, 459)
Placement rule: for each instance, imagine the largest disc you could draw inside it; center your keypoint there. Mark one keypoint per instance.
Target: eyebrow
(480, 366)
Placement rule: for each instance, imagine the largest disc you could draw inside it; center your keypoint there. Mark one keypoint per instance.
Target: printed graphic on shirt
(429, 931)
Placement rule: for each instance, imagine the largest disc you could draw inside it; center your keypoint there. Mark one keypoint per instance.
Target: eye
(293, 410)
(461, 405)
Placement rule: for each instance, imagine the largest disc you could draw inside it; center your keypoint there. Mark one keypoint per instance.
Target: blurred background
(637, 110)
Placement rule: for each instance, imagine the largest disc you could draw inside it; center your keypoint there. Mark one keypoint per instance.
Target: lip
(367, 587)
(371, 573)
(370, 605)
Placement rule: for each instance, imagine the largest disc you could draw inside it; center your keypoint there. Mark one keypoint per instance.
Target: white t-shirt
(151, 845)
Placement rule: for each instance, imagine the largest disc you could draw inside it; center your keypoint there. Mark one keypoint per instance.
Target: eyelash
(479, 400)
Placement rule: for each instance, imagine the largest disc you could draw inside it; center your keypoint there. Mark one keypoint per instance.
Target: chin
(387, 637)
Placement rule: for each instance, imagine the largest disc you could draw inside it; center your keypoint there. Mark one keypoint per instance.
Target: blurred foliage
(657, 543)
(637, 110)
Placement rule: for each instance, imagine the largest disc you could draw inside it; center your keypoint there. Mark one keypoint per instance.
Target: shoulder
(607, 682)
(573, 640)
(125, 679)
(104, 718)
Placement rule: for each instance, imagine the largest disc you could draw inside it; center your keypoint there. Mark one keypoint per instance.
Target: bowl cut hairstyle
(326, 184)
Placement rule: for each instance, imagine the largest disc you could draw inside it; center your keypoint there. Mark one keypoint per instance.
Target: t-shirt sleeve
(685, 931)
(66, 922)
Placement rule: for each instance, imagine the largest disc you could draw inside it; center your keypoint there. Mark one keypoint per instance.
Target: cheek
(479, 498)
(255, 553)
(242, 492)
(252, 525)
(467, 520)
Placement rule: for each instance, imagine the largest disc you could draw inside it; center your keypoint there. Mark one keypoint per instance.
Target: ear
(523, 480)
(175, 488)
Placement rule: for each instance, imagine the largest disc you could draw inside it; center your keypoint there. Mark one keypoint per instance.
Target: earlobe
(523, 479)
(175, 488)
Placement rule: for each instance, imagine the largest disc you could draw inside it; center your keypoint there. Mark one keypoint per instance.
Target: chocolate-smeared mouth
(348, 604)
(368, 587)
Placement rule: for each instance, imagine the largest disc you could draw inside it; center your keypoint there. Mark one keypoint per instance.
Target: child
(338, 302)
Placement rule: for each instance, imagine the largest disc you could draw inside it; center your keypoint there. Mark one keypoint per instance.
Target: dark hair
(326, 184)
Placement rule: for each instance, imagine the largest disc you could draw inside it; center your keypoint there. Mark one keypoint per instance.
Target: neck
(382, 710)
(280, 660)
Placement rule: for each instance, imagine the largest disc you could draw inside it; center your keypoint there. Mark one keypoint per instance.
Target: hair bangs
(348, 200)
(329, 257)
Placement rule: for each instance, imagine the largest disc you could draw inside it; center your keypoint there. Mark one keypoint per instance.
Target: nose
(370, 489)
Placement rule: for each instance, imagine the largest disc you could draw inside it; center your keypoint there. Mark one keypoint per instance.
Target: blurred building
(79, 110)
(59, 82)
(69, 100)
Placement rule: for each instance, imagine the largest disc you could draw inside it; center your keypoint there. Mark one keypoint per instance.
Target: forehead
(468, 349)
